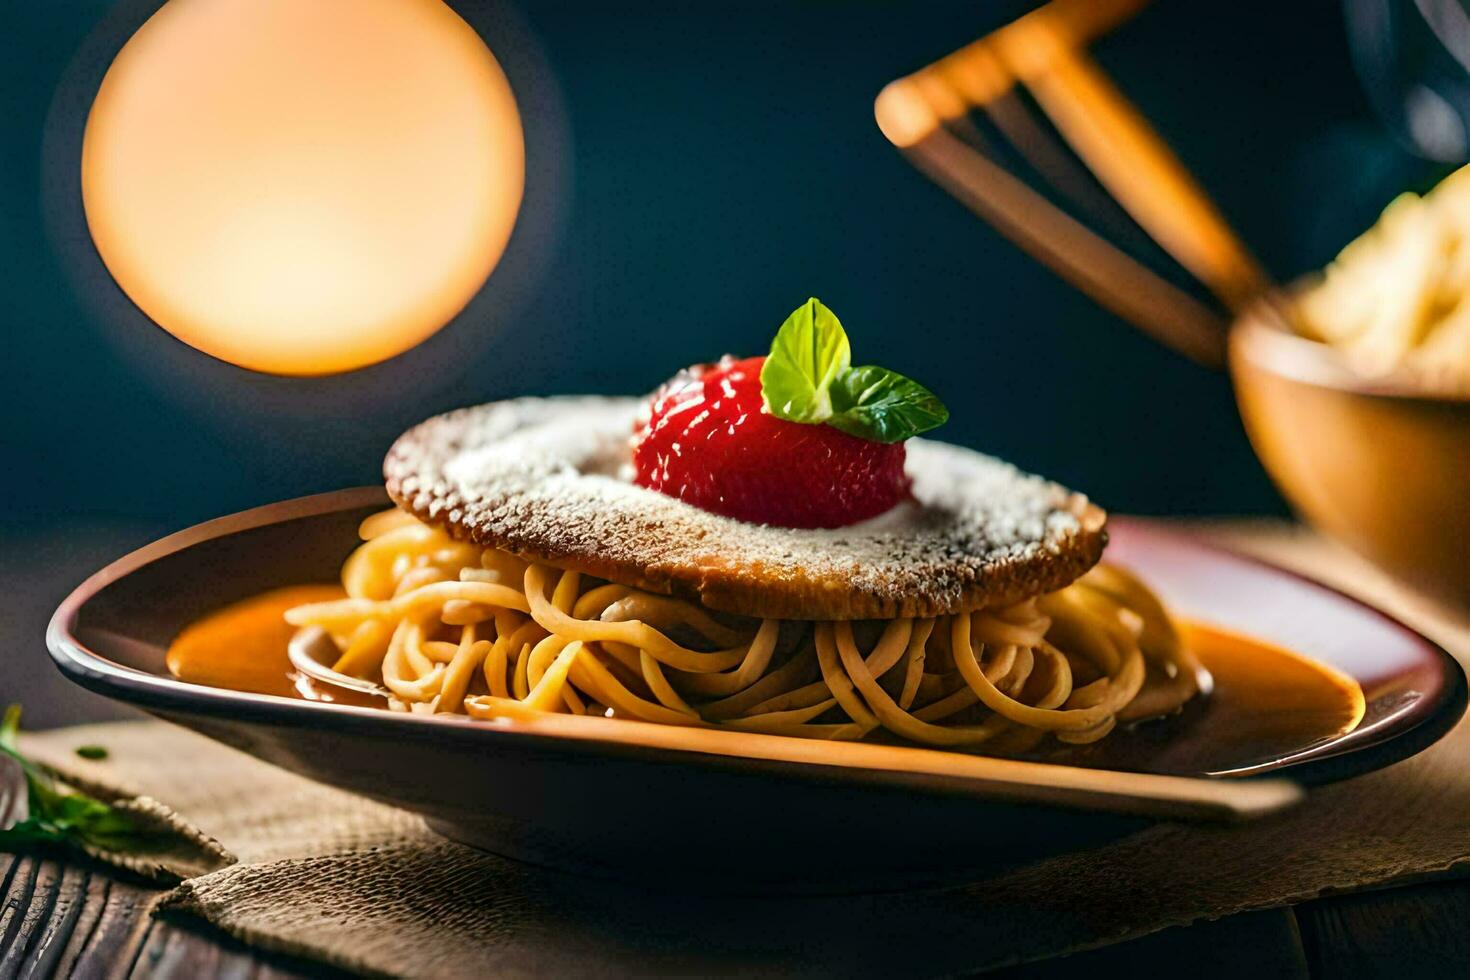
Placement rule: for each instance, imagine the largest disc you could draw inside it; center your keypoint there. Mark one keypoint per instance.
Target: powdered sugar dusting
(543, 477)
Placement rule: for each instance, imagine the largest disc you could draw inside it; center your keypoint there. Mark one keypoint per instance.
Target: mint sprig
(34, 810)
(808, 377)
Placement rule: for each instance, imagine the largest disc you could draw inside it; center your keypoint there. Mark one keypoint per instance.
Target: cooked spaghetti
(448, 626)
(1398, 296)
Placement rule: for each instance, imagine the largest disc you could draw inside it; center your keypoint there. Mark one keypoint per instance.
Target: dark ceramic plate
(611, 797)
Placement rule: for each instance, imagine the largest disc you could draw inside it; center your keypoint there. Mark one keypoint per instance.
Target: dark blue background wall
(697, 172)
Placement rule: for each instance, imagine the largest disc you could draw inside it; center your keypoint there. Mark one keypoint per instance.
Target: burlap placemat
(330, 876)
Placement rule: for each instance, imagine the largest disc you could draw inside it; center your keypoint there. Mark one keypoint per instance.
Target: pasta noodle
(448, 626)
(1399, 295)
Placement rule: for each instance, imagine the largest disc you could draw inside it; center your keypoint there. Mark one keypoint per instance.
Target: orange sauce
(1271, 698)
(243, 647)
(1266, 702)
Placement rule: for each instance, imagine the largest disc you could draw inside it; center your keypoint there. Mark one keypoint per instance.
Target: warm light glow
(303, 186)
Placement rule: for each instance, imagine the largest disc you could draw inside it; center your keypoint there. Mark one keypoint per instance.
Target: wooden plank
(166, 949)
(90, 901)
(184, 950)
(1253, 944)
(81, 919)
(171, 953)
(1418, 930)
(118, 932)
(47, 945)
(64, 919)
(75, 959)
(20, 885)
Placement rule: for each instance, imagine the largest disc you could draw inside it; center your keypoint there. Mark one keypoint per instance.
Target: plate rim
(154, 692)
(1332, 766)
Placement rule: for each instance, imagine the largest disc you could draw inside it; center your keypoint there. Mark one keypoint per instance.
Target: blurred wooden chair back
(1026, 129)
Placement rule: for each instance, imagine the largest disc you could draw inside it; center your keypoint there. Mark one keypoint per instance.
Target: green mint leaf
(15, 805)
(75, 812)
(29, 833)
(808, 355)
(880, 405)
(42, 795)
(808, 377)
(10, 728)
(52, 815)
(122, 835)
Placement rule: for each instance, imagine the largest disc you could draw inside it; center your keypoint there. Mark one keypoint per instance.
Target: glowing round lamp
(302, 186)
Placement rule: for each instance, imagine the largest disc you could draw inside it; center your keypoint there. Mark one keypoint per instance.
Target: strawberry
(710, 440)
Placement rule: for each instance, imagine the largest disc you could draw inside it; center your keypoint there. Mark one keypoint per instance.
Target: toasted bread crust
(543, 478)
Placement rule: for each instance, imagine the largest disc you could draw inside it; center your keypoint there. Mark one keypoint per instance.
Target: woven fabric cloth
(323, 874)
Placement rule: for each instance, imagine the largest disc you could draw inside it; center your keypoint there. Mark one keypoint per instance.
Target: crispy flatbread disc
(547, 479)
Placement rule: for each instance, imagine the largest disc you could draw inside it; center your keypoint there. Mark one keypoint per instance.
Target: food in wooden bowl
(1356, 392)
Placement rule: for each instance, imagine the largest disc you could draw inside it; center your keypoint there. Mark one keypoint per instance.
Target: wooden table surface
(63, 918)
(75, 918)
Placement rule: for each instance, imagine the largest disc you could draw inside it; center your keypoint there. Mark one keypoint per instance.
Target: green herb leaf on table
(808, 377)
(50, 814)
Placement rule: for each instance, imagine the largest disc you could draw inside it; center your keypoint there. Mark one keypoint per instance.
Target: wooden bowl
(1377, 464)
